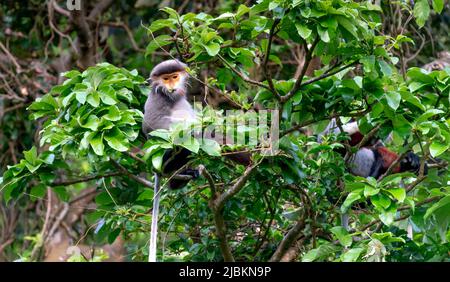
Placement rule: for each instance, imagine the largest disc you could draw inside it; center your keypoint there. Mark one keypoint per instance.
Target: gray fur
(362, 162)
(164, 107)
(168, 66)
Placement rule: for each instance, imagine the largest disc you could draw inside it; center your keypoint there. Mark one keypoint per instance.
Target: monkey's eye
(166, 78)
(175, 76)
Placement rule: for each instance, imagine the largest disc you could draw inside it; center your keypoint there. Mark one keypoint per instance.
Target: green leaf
(348, 25)
(157, 159)
(116, 140)
(352, 255)
(393, 99)
(31, 155)
(161, 133)
(92, 123)
(113, 114)
(370, 191)
(38, 191)
(81, 96)
(94, 99)
(388, 216)
(303, 30)
(108, 95)
(438, 148)
(323, 33)
(438, 5)
(385, 68)
(421, 12)
(380, 201)
(171, 12)
(428, 114)
(342, 235)
(160, 24)
(62, 193)
(212, 48)
(211, 147)
(351, 198)
(443, 203)
(398, 193)
(191, 144)
(322, 252)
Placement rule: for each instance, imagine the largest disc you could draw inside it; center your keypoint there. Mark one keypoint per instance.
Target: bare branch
(236, 187)
(136, 178)
(100, 8)
(290, 238)
(84, 179)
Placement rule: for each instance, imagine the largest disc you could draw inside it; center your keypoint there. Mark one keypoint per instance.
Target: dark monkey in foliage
(374, 159)
(165, 105)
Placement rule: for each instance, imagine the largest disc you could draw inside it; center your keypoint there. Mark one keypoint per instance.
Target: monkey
(372, 160)
(167, 101)
(167, 104)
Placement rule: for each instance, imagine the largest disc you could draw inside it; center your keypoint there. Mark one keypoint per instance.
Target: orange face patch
(171, 80)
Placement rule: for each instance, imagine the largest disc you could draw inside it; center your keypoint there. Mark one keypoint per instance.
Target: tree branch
(84, 179)
(136, 178)
(241, 75)
(236, 187)
(266, 59)
(288, 240)
(100, 8)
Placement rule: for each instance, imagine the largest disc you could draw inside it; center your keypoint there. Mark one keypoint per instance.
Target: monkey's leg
(154, 228)
(173, 161)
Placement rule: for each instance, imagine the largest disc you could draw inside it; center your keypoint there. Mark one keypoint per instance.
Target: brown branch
(421, 203)
(241, 75)
(128, 32)
(312, 121)
(298, 82)
(266, 59)
(290, 238)
(100, 8)
(59, 9)
(217, 202)
(328, 74)
(11, 58)
(203, 171)
(84, 179)
(368, 136)
(236, 187)
(221, 232)
(136, 178)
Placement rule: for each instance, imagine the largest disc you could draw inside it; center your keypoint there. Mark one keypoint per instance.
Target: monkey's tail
(154, 227)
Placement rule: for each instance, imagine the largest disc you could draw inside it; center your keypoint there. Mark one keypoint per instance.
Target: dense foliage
(284, 206)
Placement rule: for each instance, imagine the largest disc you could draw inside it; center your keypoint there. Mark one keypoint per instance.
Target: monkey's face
(171, 84)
